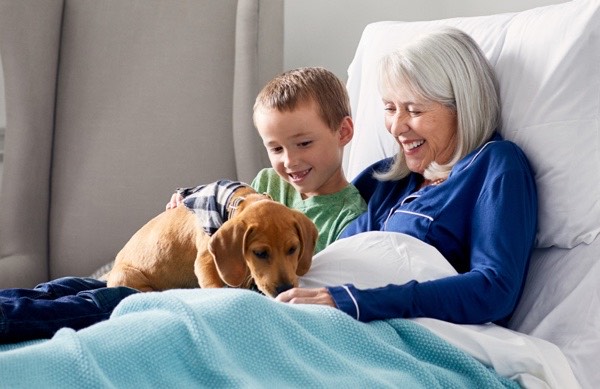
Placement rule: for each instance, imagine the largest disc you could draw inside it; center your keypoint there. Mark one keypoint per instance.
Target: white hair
(445, 66)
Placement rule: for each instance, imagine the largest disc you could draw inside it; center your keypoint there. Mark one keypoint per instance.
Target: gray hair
(445, 66)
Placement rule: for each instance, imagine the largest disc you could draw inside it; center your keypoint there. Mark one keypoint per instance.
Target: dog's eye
(292, 250)
(262, 254)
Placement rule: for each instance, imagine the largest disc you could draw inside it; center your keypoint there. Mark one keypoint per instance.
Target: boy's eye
(275, 150)
(305, 144)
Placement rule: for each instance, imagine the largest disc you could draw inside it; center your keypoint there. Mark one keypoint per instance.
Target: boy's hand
(176, 199)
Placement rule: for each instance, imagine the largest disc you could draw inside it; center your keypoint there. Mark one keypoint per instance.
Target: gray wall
(2, 105)
(2, 120)
(326, 32)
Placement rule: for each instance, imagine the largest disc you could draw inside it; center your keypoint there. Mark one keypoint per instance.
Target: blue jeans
(65, 302)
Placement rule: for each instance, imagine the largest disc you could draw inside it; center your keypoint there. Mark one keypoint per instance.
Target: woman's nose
(398, 125)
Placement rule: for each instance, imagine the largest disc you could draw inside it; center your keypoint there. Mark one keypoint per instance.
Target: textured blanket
(237, 338)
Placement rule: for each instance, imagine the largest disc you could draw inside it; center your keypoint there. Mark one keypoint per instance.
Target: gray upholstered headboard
(110, 106)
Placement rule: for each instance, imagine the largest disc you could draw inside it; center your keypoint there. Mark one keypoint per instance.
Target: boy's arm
(180, 194)
(176, 199)
(185, 192)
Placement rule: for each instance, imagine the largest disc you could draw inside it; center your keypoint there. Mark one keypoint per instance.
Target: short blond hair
(299, 86)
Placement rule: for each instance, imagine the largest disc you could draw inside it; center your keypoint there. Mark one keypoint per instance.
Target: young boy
(303, 117)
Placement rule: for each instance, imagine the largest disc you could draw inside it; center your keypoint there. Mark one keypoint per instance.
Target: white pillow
(561, 304)
(548, 63)
(376, 258)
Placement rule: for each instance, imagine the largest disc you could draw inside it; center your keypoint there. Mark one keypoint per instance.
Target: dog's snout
(282, 288)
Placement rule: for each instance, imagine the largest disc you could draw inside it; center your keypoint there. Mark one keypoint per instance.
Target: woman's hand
(319, 296)
(176, 199)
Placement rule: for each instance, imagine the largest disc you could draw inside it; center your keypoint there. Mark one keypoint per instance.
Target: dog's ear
(308, 235)
(227, 248)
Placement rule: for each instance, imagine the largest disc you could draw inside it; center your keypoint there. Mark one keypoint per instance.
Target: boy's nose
(290, 160)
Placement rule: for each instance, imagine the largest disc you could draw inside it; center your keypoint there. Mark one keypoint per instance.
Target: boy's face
(303, 150)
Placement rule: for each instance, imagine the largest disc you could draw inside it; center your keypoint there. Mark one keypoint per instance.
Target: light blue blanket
(236, 338)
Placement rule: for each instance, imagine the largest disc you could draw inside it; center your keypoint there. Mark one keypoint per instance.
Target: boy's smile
(297, 177)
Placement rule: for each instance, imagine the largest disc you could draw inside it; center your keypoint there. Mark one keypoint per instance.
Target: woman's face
(425, 130)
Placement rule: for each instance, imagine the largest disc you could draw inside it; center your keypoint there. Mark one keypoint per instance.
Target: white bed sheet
(378, 258)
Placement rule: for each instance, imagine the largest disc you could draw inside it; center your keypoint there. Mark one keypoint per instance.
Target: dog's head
(266, 242)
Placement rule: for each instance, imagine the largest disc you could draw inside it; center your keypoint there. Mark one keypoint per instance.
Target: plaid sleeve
(209, 202)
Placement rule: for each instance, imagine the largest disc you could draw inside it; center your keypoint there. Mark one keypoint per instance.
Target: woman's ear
(346, 131)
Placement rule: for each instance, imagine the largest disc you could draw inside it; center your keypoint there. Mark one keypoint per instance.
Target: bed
(548, 63)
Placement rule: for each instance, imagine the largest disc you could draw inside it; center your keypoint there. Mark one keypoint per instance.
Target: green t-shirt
(330, 213)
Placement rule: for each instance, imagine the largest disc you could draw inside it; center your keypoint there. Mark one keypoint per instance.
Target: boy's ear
(346, 131)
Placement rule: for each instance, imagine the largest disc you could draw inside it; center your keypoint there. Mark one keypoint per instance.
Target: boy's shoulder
(267, 176)
(266, 173)
(353, 198)
(347, 200)
(268, 181)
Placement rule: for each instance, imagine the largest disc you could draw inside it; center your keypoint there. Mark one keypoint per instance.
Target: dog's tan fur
(263, 243)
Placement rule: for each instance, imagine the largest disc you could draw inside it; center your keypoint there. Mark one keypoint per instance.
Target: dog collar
(233, 206)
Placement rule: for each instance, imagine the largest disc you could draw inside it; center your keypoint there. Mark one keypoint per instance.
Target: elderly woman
(455, 184)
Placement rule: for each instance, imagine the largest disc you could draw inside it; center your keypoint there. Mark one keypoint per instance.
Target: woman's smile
(410, 146)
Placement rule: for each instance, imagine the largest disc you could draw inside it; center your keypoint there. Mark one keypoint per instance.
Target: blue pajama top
(482, 219)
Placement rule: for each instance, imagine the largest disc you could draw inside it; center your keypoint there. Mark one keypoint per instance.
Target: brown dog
(263, 243)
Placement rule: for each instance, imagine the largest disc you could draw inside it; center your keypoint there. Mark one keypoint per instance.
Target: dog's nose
(283, 287)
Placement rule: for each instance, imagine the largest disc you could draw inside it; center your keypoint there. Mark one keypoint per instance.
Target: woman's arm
(500, 233)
